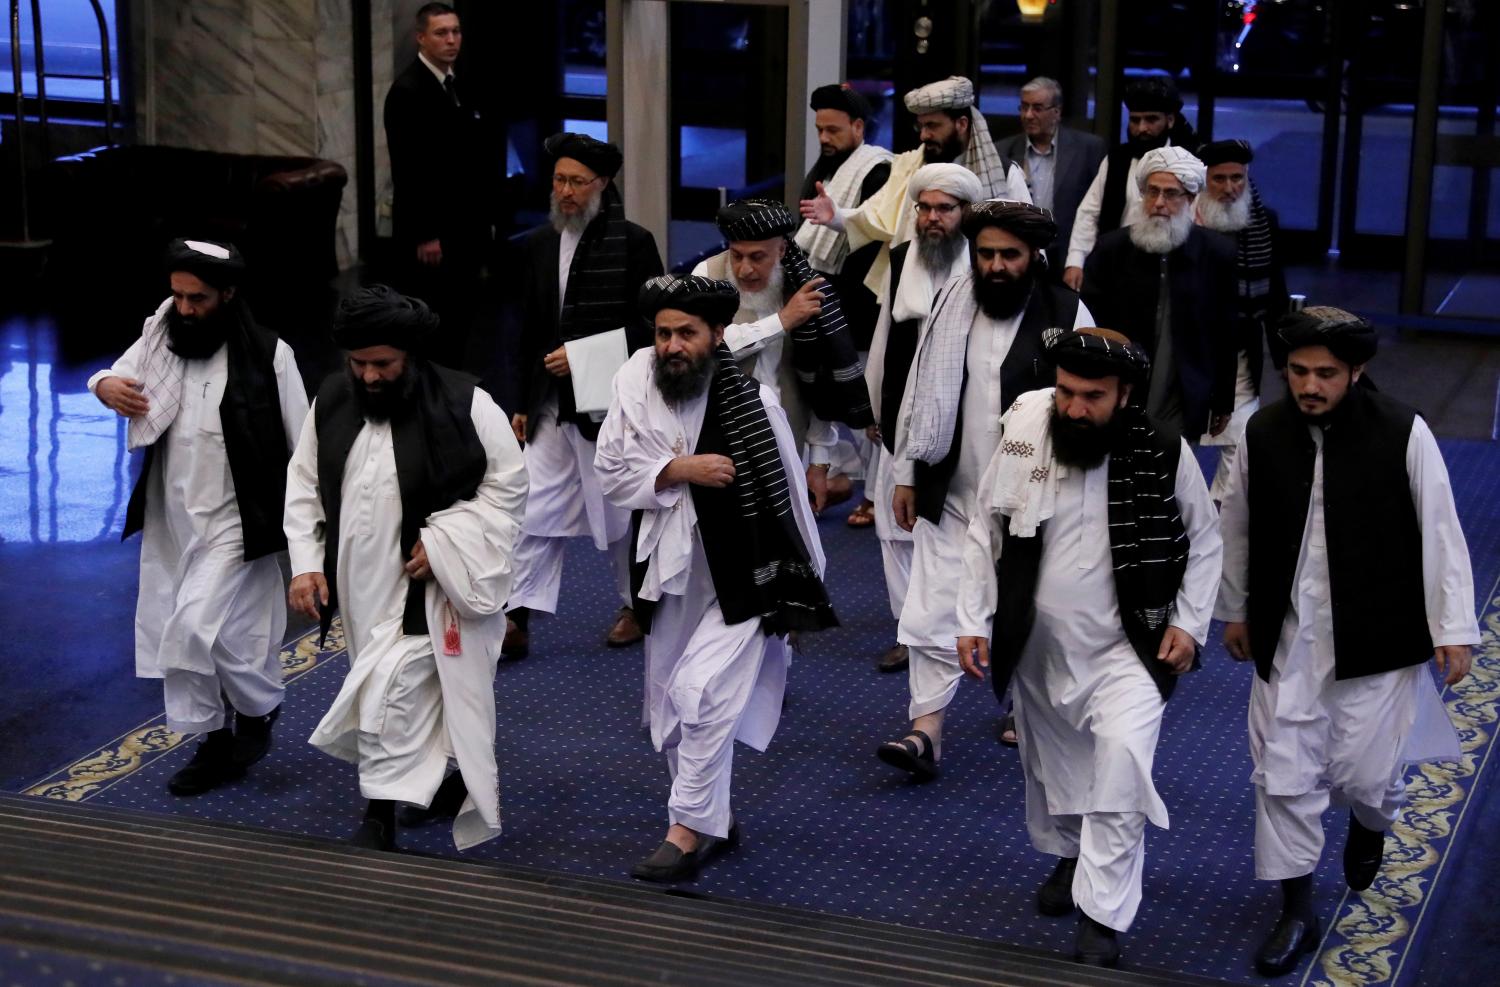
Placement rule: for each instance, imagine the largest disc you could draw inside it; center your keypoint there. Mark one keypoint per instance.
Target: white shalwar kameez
(1313, 738)
(1087, 711)
(207, 621)
(929, 619)
(404, 709)
(708, 683)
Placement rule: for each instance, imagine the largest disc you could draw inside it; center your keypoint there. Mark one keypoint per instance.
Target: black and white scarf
(598, 299)
(1147, 539)
(1253, 264)
(823, 354)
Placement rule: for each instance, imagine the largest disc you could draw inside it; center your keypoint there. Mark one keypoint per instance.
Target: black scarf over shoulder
(598, 295)
(439, 461)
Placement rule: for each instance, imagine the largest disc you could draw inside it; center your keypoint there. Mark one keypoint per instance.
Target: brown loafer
(625, 631)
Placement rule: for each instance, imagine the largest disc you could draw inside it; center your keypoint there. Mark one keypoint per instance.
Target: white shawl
(826, 247)
(1025, 470)
(161, 372)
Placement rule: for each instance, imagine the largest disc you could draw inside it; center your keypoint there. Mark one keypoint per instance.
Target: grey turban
(952, 93)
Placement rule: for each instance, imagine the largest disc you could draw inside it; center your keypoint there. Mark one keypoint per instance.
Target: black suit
(443, 176)
(1077, 156)
(1120, 288)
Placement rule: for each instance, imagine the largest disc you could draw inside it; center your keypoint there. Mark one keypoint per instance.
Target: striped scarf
(823, 355)
(789, 593)
(1147, 540)
(598, 298)
(1253, 264)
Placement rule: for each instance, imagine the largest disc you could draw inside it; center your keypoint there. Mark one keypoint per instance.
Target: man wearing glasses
(1169, 285)
(1058, 162)
(581, 274)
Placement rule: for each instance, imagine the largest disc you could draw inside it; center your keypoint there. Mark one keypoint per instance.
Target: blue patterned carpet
(828, 827)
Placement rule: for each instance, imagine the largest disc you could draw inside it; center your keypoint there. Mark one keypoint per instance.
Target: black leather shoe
(446, 802)
(212, 765)
(1055, 896)
(1363, 852)
(669, 863)
(1292, 936)
(1095, 944)
(517, 643)
(895, 659)
(252, 737)
(373, 834)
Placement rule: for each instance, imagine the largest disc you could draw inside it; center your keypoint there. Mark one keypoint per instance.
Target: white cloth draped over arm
(1234, 527)
(128, 365)
(1448, 578)
(303, 520)
(1086, 219)
(1200, 582)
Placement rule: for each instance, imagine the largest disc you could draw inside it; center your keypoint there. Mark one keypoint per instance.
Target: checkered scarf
(161, 372)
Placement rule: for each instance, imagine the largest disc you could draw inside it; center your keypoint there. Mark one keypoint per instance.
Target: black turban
(840, 97)
(217, 264)
(1095, 353)
(381, 316)
(715, 302)
(1032, 224)
(598, 156)
(1346, 335)
(1223, 152)
(1153, 94)
(755, 219)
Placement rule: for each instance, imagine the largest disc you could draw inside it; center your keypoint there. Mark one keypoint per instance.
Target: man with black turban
(1345, 569)
(217, 403)
(1090, 568)
(979, 350)
(1153, 119)
(580, 275)
(789, 332)
(726, 560)
(402, 505)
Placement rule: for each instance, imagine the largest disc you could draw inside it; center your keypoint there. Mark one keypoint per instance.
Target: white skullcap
(953, 93)
(951, 179)
(1175, 161)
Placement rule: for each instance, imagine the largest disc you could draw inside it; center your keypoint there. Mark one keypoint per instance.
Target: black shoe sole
(919, 768)
(1058, 910)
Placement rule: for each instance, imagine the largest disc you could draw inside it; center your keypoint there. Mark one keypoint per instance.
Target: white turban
(953, 93)
(950, 179)
(1175, 161)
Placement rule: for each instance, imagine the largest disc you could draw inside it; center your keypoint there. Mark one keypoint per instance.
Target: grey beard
(939, 255)
(575, 223)
(1232, 218)
(1156, 235)
(768, 299)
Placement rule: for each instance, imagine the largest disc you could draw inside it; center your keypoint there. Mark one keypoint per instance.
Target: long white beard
(768, 299)
(1161, 234)
(1231, 218)
(575, 223)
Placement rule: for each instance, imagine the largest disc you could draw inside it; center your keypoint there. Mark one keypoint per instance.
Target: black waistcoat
(1022, 370)
(1370, 525)
(900, 351)
(439, 461)
(1112, 205)
(254, 442)
(1017, 571)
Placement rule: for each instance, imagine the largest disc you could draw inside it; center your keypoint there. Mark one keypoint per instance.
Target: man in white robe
(919, 269)
(1108, 555)
(980, 349)
(952, 130)
(217, 403)
(404, 500)
(1345, 569)
(726, 555)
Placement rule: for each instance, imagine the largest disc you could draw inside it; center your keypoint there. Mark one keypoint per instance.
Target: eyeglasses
(1152, 193)
(942, 208)
(575, 182)
(1037, 108)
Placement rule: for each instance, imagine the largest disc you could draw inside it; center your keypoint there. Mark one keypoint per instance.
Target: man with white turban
(980, 348)
(1168, 284)
(951, 129)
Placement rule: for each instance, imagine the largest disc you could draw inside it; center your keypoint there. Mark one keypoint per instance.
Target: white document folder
(593, 362)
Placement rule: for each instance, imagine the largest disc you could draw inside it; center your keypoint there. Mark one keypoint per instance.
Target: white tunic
(1309, 729)
(195, 585)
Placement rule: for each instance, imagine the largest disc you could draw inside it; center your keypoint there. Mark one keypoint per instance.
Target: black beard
(194, 338)
(1142, 143)
(680, 379)
(393, 398)
(1002, 298)
(947, 153)
(1079, 443)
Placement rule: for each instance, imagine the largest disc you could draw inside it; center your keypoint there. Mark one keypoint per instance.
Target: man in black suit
(1059, 162)
(440, 170)
(1169, 285)
(581, 274)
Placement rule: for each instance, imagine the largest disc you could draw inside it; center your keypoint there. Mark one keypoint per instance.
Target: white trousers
(403, 742)
(1111, 852)
(539, 569)
(1289, 828)
(251, 681)
(929, 615)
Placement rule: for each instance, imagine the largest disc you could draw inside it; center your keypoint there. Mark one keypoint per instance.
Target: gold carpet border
(1368, 943)
(93, 774)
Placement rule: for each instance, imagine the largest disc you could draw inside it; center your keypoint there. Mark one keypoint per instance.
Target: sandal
(862, 516)
(1007, 733)
(906, 755)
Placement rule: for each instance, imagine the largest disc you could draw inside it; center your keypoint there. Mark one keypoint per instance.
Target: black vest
(900, 351)
(1370, 523)
(254, 442)
(1024, 369)
(1015, 604)
(1112, 206)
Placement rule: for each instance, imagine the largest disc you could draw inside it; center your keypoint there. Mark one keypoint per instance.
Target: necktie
(450, 89)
